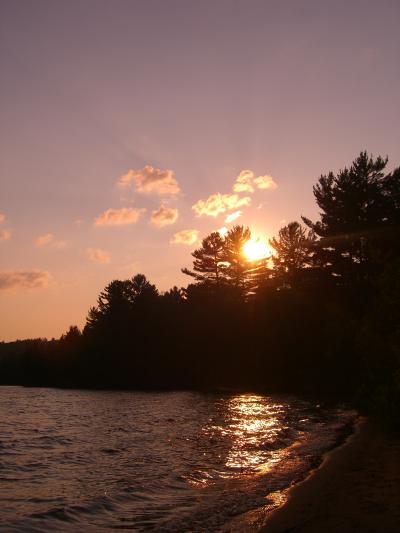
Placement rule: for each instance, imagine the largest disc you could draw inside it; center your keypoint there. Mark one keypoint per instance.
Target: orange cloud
(97, 255)
(150, 179)
(5, 235)
(49, 240)
(186, 236)
(119, 217)
(233, 216)
(265, 182)
(243, 182)
(164, 216)
(23, 279)
(247, 182)
(2, 217)
(219, 203)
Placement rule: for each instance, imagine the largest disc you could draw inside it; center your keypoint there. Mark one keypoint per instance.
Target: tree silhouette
(141, 291)
(113, 306)
(174, 296)
(72, 336)
(356, 206)
(242, 274)
(294, 253)
(220, 266)
(238, 265)
(208, 265)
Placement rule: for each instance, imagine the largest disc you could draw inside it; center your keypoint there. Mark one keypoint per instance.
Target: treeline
(320, 316)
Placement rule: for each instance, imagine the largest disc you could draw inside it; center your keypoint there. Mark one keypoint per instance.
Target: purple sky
(91, 89)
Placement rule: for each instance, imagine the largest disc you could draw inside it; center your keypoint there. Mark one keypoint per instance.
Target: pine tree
(208, 265)
(141, 291)
(237, 264)
(113, 306)
(243, 275)
(358, 205)
(220, 265)
(294, 249)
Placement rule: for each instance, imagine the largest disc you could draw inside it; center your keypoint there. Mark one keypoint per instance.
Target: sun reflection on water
(250, 429)
(254, 425)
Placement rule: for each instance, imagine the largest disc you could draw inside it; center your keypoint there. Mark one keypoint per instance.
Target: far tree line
(321, 316)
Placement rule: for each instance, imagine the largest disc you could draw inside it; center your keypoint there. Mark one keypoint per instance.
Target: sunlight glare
(256, 249)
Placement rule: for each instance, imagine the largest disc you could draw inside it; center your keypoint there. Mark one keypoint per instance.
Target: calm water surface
(181, 461)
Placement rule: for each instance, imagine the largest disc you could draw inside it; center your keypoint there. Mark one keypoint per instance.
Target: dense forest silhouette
(321, 316)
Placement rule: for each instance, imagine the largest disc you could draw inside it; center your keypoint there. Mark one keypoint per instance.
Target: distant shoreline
(356, 488)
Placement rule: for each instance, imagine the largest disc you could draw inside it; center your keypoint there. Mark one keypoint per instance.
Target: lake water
(179, 461)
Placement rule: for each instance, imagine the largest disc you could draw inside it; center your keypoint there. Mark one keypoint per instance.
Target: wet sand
(356, 489)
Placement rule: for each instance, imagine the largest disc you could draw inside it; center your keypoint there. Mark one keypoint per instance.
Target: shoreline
(355, 488)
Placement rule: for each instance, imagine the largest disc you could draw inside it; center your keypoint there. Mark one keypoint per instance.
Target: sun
(256, 249)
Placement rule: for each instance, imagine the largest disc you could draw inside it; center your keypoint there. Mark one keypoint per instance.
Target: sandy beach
(356, 489)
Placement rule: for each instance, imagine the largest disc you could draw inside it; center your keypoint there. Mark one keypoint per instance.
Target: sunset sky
(130, 130)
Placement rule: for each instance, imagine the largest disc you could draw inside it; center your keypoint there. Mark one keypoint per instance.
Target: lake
(76, 460)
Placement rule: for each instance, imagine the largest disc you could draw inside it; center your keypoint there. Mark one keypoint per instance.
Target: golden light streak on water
(253, 425)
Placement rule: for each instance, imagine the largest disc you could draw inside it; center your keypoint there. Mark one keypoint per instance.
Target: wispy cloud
(248, 182)
(24, 279)
(119, 217)
(219, 203)
(5, 234)
(164, 216)
(150, 179)
(97, 255)
(233, 216)
(2, 217)
(49, 240)
(186, 236)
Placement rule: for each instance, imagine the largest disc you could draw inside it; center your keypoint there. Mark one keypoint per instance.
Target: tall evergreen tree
(294, 253)
(357, 205)
(221, 265)
(141, 291)
(209, 267)
(113, 307)
(243, 275)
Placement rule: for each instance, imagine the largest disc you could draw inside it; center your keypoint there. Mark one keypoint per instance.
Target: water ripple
(182, 461)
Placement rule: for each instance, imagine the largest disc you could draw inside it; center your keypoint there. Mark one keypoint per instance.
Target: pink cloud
(186, 236)
(97, 255)
(23, 279)
(49, 240)
(150, 179)
(5, 234)
(164, 216)
(119, 217)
